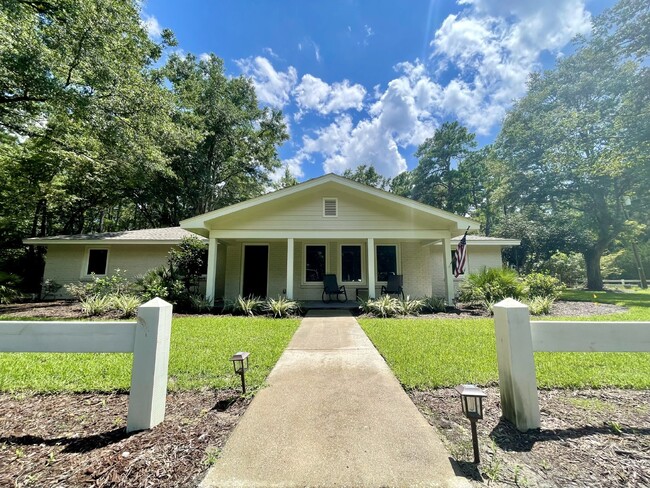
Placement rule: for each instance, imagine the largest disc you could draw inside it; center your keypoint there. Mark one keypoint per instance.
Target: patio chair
(393, 286)
(331, 287)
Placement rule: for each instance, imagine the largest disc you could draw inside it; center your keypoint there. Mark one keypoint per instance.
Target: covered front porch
(262, 263)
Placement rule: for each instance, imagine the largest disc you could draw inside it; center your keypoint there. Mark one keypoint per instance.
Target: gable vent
(330, 207)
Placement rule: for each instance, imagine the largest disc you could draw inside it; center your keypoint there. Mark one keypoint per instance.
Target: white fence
(622, 281)
(517, 338)
(148, 340)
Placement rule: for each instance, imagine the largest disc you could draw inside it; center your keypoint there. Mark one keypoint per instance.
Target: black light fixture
(471, 399)
(240, 363)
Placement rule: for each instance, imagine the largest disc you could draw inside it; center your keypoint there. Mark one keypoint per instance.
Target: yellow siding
(305, 212)
(64, 263)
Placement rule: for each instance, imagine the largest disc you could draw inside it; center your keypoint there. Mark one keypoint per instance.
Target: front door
(256, 266)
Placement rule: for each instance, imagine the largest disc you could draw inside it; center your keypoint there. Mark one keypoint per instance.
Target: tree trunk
(594, 277)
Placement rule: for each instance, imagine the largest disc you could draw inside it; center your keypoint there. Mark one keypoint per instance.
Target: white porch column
(210, 285)
(290, 268)
(372, 276)
(446, 264)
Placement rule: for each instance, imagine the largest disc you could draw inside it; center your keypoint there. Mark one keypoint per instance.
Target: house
(284, 242)
(74, 258)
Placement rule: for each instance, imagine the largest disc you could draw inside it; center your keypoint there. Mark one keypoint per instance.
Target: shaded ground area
(65, 309)
(590, 438)
(81, 440)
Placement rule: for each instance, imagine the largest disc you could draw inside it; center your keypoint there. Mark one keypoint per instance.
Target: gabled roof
(165, 235)
(198, 223)
(486, 241)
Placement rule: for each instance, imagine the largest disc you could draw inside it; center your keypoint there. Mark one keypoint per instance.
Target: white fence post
(150, 363)
(517, 381)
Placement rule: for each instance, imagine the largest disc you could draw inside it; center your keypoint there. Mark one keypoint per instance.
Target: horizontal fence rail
(148, 339)
(517, 338)
(23, 336)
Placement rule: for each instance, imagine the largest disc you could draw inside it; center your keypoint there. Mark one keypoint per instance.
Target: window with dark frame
(97, 259)
(351, 263)
(386, 262)
(315, 259)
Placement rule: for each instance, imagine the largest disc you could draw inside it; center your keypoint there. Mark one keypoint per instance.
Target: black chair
(331, 287)
(393, 286)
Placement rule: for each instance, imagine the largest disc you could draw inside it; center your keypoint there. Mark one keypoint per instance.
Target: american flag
(461, 256)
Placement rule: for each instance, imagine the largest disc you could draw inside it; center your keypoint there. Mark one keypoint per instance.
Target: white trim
(398, 261)
(330, 235)
(243, 264)
(364, 273)
(336, 207)
(84, 266)
(303, 269)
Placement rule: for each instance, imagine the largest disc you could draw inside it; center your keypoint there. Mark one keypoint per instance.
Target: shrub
(127, 305)
(540, 305)
(115, 284)
(568, 268)
(96, 305)
(491, 285)
(50, 287)
(384, 306)
(248, 306)
(434, 304)
(188, 262)
(9, 292)
(155, 283)
(199, 304)
(282, 307)
(542, 285)
(410, 306)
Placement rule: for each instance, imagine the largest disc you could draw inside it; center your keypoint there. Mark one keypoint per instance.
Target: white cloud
(270, 52)
(314, 94)
(494, 45)
(316, 51)
(272, 87)
(151, 25)
(204, 57)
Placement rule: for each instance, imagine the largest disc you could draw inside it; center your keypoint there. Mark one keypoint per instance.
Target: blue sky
(364, 82)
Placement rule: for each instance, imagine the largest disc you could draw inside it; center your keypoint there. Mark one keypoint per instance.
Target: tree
(574, 147)
(437, 180)
(368, 176)
(402, 184)
(286, 180)
(230, 146)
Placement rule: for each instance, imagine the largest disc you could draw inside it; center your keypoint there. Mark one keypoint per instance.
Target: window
(315, 260)
(330, 207)
(386, 262)
(351, 263)
(97, 260)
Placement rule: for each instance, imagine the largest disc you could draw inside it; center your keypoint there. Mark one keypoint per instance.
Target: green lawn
(199, 358)
(429, 353)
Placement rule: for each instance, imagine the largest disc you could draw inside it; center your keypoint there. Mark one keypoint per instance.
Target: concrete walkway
(333, 415)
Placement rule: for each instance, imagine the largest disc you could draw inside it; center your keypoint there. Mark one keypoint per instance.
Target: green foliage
(434, 304)
(367, 174)
(410, 306)
(115, 284)
(436, 181)
(9, 292)
(200, 304)
(156, 282)
(248, 306)
(491, 285)
(384, 306)
(569, 268)
(96, 305)
(189, 261)
(49, 288)
(126, 305)
(540, 305)
(282, 307)
(198, 359)
(542, 285)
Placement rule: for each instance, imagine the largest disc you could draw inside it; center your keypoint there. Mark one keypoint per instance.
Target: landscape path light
(471, 399)
(240, 363)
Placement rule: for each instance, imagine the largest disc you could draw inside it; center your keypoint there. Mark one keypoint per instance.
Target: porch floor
(333, 305)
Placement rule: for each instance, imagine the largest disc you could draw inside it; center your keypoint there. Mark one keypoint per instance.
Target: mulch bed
(81, 440)
(588, 438)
